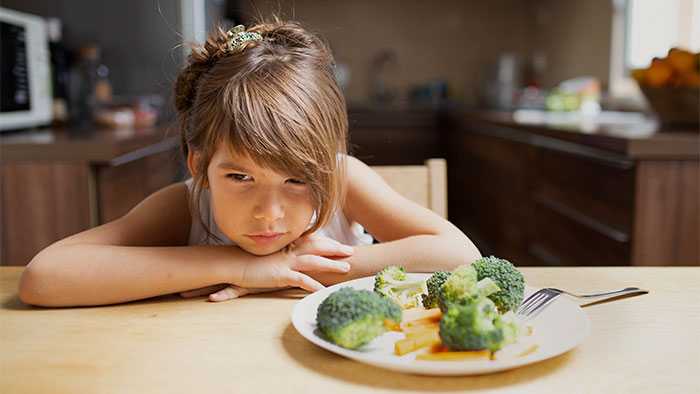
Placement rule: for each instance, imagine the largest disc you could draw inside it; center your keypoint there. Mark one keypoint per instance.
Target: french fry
(415, 324)
(417, 330)
(421, 313)
(417, 341)
(391, 325)
(421, 322)
(455, 356)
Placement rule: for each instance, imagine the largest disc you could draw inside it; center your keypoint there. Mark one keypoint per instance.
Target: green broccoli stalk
(351, 318)
(433, 284)
(507, 277)
(462, 287)
(392, 282)
(472, 326)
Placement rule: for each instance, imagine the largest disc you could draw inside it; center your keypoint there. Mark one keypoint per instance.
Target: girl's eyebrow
(232, 166)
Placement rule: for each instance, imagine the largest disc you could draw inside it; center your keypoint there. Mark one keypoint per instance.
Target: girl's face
(260, 210)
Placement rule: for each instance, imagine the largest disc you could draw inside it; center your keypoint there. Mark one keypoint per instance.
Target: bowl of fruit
(671, 85)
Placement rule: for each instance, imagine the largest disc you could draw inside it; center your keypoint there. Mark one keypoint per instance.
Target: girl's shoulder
(161, 219)
(165, 213)
(356, 175)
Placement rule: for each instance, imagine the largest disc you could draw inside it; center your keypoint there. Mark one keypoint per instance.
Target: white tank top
(337, 228)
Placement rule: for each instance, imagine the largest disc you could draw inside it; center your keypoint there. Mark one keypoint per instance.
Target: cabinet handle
(529, 138)
(146, 151)
(583, 220)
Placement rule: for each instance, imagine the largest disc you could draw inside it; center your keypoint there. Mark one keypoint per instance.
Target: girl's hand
(320, 246)
(307, 254)
(224, 292)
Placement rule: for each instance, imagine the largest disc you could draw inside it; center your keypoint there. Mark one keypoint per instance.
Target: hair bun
(185, 89)
(200, 60)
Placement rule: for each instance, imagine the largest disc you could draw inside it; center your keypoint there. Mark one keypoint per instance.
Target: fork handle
(598, 297)
(627, 290)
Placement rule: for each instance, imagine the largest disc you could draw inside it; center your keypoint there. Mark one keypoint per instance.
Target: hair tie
(238, 36)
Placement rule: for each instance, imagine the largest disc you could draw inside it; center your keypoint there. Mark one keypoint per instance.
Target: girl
(274, 201)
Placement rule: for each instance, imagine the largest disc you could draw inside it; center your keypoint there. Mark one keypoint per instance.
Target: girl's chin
(262, 250)
(259, 252)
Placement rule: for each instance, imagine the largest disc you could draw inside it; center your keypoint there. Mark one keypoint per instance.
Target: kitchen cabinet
(396, 136)
(542, 195)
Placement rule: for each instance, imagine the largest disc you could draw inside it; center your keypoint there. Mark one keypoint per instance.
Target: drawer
(594, 190)
(559, 239)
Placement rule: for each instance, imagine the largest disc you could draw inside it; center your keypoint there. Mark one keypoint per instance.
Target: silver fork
(535, 303)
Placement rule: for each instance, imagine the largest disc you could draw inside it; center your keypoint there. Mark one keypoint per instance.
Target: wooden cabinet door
(123, 186)
(42, 202)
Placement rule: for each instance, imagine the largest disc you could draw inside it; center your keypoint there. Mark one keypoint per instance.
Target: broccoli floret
(392, 282)
(472, 326)
(351, 318)
(510, 326)
(433, 284)
(458, 287)
(507, 277)
(462, 287)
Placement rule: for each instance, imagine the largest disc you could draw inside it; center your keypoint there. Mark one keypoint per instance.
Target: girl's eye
(239, 177)
(296, 181)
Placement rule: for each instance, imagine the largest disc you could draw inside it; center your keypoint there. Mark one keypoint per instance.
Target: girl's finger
(331, 247)
(322, 246)
(202, 291)
(310, 262)
(297, 279)
(228, 293)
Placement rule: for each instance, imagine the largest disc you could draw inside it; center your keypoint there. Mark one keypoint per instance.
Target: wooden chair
(425, 185)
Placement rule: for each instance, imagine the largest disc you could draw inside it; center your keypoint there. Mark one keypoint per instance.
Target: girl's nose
(270, 208)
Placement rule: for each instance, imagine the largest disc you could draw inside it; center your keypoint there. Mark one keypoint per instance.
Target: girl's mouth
(265, 238)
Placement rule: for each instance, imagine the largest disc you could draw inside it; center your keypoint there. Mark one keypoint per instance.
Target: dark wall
(138, 38)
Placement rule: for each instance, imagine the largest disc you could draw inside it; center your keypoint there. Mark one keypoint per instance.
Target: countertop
(96, 145)
(629, 135)
(644, 344)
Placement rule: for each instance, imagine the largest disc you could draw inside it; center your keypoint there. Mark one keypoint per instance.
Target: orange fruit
(639, 75)
(681, 60)
(659, 73)
(691, 79)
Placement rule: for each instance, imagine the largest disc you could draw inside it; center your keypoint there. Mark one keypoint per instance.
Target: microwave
(25, 71)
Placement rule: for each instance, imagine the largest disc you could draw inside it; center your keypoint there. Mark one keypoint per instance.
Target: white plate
(559, 328)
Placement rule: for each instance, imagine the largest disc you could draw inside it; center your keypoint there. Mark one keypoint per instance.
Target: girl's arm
(117, 262)
(412, 236)
(141, 255)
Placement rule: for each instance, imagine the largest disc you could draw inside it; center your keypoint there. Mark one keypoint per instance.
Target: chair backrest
(425, 185)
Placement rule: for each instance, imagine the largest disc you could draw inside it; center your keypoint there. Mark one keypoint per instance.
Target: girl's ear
(193, 159)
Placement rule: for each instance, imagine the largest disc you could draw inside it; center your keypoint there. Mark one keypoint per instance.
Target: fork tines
(535, 302)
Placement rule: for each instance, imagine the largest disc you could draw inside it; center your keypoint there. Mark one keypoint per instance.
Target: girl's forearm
(74, 275)
(420, 253)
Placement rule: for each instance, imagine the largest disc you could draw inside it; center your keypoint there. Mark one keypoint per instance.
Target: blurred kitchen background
(570, 127)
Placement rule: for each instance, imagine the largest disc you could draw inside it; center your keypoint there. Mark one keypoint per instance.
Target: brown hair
(275, 100)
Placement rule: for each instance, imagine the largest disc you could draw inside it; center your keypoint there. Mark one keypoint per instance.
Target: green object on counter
(561, 101)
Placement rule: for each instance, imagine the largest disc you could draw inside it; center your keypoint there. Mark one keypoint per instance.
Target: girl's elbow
(28, 290)
(31, 291)
(466, 247)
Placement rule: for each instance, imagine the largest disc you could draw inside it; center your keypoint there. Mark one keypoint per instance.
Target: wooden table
(645, 344)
